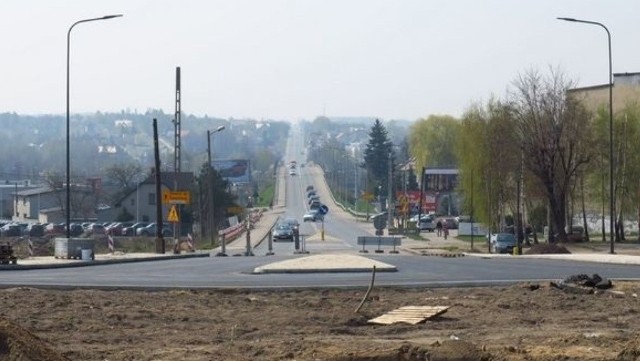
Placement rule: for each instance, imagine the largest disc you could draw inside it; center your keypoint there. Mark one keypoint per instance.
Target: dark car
(282, 231)
(35, 230)
(502, 243)
(115, 229)
(76, 229)
(292, 222)
(11, 230)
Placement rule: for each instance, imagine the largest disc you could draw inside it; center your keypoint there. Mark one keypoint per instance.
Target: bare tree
(554, 133)
(125, 175)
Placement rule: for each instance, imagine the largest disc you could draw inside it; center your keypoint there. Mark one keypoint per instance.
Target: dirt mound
(449, 350)
(18, 344)
(547, 248)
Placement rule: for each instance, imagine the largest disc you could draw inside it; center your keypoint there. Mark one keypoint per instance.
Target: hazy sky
(295, 59)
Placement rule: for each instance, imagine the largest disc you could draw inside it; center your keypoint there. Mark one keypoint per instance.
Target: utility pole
(177, 151)
(390, 195)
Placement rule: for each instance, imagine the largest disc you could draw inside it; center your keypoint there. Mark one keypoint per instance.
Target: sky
(298, 59)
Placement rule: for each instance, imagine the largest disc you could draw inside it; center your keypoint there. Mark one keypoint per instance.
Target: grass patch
(266, 195)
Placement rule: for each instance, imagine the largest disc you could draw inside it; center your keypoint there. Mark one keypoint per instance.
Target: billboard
(233, 170)
(411, 201)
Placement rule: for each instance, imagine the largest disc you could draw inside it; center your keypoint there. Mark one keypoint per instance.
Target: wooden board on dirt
(409, 314)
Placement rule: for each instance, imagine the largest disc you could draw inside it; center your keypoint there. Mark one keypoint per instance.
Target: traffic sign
(235, 210)
(173, 214)
(324, 209)
(380, 221)
(176, 197)
(367, 196)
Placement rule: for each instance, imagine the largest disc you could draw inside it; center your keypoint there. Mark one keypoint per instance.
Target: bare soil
(519, 322)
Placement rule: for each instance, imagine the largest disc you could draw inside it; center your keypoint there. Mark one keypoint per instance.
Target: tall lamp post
(210, 218)
(68, 156)
(611, 207)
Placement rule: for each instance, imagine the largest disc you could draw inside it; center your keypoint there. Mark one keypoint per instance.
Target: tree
(125, 175)
(432, 141)
(488, 158)
(554, 132)
(377, 155)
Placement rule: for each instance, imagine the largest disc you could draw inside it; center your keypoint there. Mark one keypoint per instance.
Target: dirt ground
(519, 322)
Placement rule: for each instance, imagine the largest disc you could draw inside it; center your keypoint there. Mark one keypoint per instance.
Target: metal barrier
(379, 241)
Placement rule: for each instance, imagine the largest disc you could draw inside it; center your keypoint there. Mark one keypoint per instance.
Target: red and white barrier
(110, 243)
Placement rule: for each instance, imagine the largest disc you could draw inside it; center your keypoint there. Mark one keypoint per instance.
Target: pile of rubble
(583, 283)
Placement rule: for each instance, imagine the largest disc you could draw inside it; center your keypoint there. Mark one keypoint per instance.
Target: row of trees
(539, 146)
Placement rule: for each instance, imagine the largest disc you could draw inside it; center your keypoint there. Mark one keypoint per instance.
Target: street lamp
(611, 209)
(210, 218)
(68, 162)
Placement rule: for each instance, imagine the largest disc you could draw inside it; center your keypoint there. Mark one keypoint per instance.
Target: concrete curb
(19, 267)
(320, 270)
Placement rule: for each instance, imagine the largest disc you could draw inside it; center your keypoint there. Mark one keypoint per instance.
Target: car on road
(282, 231)
(312, 216)
(292, 222)
(502, 243)
(292, 172)
(309, 188)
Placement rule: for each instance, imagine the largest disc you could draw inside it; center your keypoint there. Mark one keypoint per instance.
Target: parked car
(11, 230)
(449, 222)
(310, 188)
(311, 194)
(76, 230)
(115, 229)
(95, 229)
(312, 216)
(576, 234)
(292, 172)
(502, 243)
(131, 231)
(35, 230)
(151, 230)
(282, 231)
(55, 228)
(426, 224)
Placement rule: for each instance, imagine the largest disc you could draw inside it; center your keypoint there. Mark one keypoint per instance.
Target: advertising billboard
(233, 170)
(410, 200)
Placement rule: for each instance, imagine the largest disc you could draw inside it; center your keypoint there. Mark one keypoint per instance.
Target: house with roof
(45, 204)
(141, 202)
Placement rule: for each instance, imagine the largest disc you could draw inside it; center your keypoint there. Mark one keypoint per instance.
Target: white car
(292, 172)
(312, 216)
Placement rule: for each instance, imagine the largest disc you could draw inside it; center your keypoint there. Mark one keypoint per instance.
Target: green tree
(432, 141)
(488, 158)
(377, 155)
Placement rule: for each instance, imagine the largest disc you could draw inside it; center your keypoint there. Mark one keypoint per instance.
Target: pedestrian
(439, 227)
(445, 229)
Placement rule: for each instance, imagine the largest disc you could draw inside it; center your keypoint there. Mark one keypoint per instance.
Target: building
(141, 202)
(626, 90)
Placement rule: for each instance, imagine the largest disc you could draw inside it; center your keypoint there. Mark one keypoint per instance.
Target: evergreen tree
(377, 155)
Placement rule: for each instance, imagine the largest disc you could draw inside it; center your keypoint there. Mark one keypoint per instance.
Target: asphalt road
(341, 233)
(223, 272)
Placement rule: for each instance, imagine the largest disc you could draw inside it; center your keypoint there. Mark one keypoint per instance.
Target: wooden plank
(409, 314)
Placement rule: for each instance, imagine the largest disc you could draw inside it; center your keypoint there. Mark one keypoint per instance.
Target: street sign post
(176, 197)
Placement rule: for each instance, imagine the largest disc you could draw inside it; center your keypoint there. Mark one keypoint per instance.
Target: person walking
(439, 227)
(445, 230)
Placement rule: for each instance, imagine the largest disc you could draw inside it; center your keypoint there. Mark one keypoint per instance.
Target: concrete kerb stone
(100, 262)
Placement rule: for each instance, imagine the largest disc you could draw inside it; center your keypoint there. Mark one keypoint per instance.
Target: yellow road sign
(235, 210)
(176, 197)
(173, 214)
